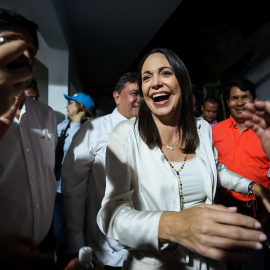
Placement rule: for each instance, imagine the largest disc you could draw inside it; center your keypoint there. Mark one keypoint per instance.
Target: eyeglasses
(71, 101)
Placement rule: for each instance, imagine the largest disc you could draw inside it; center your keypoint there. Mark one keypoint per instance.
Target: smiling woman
(161, 176)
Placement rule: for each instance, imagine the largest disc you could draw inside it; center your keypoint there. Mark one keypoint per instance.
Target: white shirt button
(27, 150)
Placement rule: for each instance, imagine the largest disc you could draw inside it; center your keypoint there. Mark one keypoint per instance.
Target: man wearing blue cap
(83, 175)
(83, 99)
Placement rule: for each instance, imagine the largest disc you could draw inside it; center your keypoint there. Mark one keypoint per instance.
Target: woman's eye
(145, 78)
(167, 73)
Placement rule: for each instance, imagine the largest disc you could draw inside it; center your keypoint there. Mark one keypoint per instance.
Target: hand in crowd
(78, 117)
(12, 81)
(258, 119)
(74, 264)
(7, 118)
(264, 193)
(213, 231)
(20, 251)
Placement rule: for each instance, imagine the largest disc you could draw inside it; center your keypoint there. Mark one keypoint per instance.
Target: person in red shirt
(240, 149)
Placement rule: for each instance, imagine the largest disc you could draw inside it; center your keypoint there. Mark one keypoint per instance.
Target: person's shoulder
(39, 106)
(63, 124)
(127, 124)
(101, 119)
(221, 125)
(41, 111)
(96, 127)
(201, 123)
(99, 124)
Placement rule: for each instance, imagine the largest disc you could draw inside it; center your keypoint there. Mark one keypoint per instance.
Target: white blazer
(140, 185)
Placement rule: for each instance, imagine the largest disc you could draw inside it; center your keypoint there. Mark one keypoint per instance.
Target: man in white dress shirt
(83, 175)
(27, 182)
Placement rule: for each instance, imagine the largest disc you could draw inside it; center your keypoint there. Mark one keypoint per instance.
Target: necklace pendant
(169, 147)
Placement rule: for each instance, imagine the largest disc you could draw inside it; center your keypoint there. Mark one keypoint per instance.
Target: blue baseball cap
(83, 99)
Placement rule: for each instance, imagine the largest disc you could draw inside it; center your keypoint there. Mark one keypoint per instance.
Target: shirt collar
(232, 122)
(117, 117)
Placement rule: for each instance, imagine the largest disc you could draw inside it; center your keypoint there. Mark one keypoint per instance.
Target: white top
(83, 188)
(192, 182)
(140, 185)
(74, 127)
(27, 181)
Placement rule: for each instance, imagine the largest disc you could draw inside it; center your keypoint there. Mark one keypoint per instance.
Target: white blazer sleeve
(118, 218)
(226, 178)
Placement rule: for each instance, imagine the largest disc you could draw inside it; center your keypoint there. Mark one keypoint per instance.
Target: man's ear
(255, 100)
(202, 108)
(116, 97)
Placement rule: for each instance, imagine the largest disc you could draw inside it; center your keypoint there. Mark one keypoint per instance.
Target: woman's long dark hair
(186, 119)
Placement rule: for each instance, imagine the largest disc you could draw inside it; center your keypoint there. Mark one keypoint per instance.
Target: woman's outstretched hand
(213, 231)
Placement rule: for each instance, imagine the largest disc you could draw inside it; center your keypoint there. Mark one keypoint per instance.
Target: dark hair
(87, 113)
(186, 120)
(244, 85)
(10, 20)
(131, 77)
(210, 99)
(33, 85)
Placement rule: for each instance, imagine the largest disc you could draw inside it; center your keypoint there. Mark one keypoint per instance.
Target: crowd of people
(149, 186)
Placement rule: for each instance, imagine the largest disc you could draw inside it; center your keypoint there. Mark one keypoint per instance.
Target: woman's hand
(264, 193)
(213, 231)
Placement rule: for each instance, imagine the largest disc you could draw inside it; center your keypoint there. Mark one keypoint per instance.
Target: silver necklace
(170, 146)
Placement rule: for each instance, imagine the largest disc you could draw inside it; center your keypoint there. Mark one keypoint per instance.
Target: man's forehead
(236, 91)
(129, 86)
(210, 104)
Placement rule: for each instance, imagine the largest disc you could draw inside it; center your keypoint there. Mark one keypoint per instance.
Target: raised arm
(12, 81)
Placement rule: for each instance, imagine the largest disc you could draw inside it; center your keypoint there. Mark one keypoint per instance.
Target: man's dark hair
(12, 21)
(211, 99)
(33, 85)
(244, 85)
(131, 77)
(186, 120)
